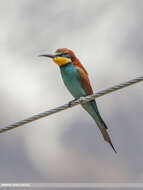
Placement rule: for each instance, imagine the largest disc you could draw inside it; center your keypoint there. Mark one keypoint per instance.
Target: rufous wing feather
(84, 80)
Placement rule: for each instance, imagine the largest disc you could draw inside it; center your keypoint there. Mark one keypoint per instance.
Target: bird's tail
(105, 134)
(99, 121)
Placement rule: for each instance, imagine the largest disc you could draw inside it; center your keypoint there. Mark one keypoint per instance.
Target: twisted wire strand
(81, 100)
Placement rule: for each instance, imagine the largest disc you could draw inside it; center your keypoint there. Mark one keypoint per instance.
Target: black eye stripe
(60, 54)
(66, 55)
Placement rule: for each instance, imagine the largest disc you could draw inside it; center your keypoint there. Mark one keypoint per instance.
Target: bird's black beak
(47, 55)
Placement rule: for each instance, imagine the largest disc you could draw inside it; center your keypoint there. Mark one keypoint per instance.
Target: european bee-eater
(76, 79)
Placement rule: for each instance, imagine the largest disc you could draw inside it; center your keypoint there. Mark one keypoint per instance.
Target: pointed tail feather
(101, 125)
(91, 108)
(106, 136)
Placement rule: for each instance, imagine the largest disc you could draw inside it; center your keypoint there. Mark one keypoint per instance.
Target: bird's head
(62, 56)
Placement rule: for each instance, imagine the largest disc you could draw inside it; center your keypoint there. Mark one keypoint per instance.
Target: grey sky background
(106, 35)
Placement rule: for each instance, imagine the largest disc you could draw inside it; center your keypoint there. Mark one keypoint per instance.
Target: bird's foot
(71, 102)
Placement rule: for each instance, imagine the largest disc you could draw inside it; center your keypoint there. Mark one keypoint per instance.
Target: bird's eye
(66, 55)
(61, 54)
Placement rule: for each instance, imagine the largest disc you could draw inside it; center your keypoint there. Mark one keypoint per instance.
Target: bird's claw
(82, 99)
(71, 102)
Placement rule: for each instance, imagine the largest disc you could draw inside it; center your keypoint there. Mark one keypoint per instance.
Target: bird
(75, 78)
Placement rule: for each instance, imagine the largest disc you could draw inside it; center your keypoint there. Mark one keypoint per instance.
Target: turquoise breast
(71, 79)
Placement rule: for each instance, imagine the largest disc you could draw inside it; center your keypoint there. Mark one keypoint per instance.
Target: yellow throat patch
(61, 60)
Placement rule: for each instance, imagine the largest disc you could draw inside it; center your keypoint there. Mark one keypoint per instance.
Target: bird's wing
(84, 80)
